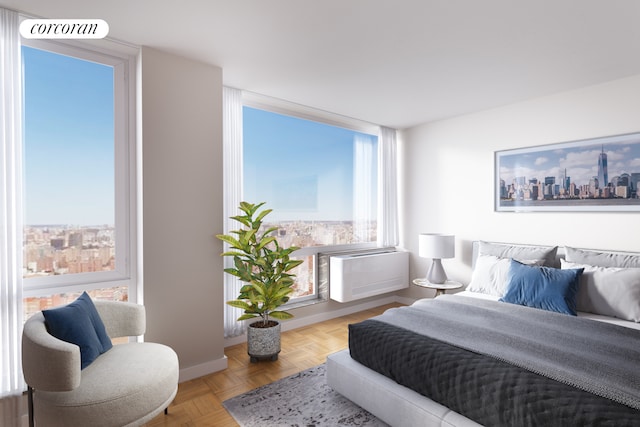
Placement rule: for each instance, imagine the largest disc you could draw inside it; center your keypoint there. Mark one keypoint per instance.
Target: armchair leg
(166, 410)
(30, 396)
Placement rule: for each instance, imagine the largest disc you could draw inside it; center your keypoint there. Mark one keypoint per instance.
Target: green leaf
(264, 242)
(232, 271)
(233, 242)
(239, 304)
(293, 264)
(259, 288)
(269, 231)
(282, 293)
(232, 253)
(242, 220)
(289, 250)
(263, 213)
(281, 315)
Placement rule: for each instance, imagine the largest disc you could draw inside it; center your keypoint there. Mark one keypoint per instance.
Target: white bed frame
(395, 404)
(386, 399)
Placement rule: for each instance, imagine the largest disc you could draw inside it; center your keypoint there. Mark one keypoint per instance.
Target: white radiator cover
(359, 276)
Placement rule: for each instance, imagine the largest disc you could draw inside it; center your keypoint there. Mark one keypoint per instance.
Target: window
(320, 179)
(79, 181)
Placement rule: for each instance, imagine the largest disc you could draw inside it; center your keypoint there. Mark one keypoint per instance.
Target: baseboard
(202, 369)
(321, 317)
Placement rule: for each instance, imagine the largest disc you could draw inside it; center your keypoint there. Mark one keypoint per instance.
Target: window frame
(278, 106)
(123, 59)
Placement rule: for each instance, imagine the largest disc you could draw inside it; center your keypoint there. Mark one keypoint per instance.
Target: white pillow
(609, 291)
(490, 274)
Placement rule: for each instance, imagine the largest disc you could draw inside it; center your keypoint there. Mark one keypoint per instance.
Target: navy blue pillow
(96, 321)
(73, 323)
(546, 288)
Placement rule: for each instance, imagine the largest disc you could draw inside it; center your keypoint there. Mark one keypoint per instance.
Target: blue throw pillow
(98, 325)
(546, 288)
(74, 323)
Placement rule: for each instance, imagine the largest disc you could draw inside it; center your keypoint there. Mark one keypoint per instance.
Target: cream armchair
(126, 386)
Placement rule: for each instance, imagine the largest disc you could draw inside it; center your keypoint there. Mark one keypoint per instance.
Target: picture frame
(567, 176)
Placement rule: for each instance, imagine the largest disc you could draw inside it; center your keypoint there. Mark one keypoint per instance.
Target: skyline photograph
(595, 172)
(580, 161)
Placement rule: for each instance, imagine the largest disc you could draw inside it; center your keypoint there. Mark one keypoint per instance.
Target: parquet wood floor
(199, 401)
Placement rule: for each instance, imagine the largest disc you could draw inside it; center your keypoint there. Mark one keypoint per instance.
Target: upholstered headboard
(608, 281)
(555, 262)
(609, 258)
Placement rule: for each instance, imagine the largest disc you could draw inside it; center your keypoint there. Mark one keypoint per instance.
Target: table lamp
(436, 247)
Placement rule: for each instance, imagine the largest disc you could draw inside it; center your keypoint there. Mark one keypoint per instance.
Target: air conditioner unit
(357, 276)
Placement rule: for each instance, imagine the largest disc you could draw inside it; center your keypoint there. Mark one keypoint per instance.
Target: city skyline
(580, 162)
(56, 250)
(64, 250)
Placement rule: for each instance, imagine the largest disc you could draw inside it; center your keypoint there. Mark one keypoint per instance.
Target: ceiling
(397, 63)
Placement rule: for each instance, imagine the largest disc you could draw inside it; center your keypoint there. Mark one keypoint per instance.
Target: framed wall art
(598, 174)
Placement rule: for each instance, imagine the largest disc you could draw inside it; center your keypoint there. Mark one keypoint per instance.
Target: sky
(302, 169)
(69, 140)
(580, 159)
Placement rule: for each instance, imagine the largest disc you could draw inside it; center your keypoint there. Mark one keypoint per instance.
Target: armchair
(126, 386)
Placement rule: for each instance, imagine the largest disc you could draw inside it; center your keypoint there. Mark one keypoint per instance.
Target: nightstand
(441, 288)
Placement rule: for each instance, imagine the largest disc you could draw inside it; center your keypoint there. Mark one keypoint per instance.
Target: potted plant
(260, 262)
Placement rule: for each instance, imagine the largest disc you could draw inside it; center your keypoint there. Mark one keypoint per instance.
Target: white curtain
(363, 206)
(12, 383)
(388, 182)
(232, 157)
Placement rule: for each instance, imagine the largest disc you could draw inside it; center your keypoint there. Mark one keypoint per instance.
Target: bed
(541, 336)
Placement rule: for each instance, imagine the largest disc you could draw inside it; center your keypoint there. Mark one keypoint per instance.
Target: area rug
(302, 399)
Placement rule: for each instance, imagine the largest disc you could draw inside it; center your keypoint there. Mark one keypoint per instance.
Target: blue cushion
(73, 323)
(546, 288)
(98, 325)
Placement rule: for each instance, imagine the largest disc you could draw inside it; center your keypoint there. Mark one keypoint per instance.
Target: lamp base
(436, 273)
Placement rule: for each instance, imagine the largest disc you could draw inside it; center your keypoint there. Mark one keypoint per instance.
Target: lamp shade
(436, 246)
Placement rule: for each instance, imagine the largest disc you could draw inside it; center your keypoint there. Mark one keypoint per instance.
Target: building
(603, 173)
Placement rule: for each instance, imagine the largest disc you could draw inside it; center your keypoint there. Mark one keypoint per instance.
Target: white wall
(448, 175)
(182, 200)
(181, 114)
(447, 186)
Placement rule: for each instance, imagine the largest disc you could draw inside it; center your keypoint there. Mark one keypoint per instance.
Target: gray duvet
(593, 356)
